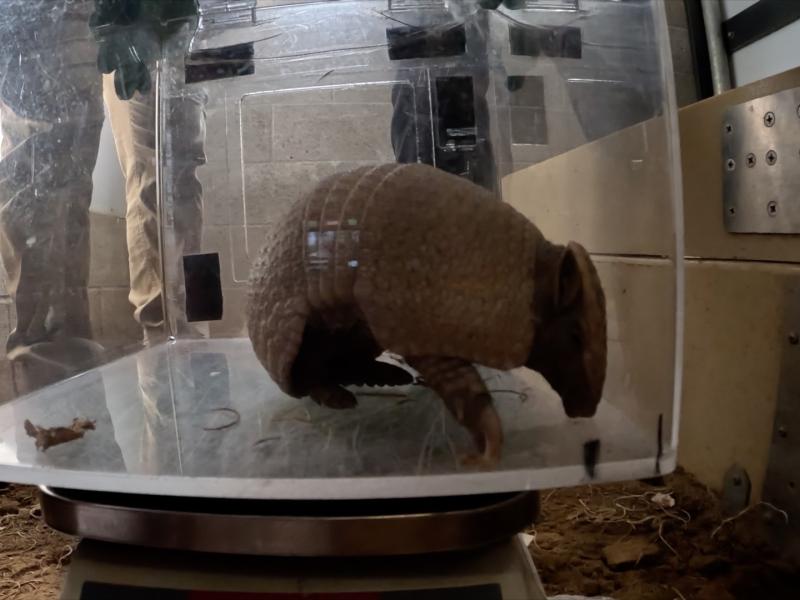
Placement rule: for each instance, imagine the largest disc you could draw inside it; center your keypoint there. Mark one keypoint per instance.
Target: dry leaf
(53, 436)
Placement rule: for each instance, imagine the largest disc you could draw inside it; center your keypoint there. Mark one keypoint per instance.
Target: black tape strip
(203, 287)
(455, 110)
(555, 42)
(426, 42)
(220, 63)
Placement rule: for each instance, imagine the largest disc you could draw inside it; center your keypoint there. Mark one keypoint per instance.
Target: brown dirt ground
(576, 524)
(32, 556)
(738, 562)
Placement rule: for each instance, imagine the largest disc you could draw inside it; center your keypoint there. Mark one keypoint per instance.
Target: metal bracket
(224, 13)
(758, 21)
(761, 164)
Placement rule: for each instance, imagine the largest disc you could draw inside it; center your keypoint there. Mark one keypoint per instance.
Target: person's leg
(25, 226)
(51, 116)
(134, 122)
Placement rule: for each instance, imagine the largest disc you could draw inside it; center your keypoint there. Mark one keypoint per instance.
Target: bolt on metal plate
(736, 489)
(761, 164)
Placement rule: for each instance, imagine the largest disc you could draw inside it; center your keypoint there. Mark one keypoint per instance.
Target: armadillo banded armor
(433, 264)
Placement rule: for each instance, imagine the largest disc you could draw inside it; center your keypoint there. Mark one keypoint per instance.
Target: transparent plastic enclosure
(554, 121)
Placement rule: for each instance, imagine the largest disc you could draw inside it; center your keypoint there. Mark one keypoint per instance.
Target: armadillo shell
(278, 304)
(434, 264)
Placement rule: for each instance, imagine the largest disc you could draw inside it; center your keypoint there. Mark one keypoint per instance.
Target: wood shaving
(47, 437)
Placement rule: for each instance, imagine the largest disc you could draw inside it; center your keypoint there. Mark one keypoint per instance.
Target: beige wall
(737, 289)
(732, 367)
(736, 285)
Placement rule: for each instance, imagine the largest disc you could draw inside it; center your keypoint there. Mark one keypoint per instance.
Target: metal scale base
(176, 548)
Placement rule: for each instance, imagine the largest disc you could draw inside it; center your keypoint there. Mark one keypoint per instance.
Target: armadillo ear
(573, 274)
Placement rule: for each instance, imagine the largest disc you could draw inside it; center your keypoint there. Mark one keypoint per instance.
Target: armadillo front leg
(460, 386)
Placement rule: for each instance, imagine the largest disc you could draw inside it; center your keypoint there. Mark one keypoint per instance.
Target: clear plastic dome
(443, 189)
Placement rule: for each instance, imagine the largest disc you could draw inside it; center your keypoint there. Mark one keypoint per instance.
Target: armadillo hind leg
(461, 388)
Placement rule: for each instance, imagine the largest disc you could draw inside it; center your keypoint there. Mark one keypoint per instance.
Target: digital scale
(198, 478)
(137, 546)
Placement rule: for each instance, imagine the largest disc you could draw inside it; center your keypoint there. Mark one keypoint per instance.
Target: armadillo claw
(488, 435)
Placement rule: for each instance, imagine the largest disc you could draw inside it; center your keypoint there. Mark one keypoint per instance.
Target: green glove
(129, 34)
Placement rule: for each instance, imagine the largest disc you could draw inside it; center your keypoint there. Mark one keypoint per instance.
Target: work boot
(44, 363)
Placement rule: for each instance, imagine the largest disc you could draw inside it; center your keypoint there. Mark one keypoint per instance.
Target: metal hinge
(215, 13)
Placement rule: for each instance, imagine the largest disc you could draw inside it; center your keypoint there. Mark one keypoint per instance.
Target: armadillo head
(569, 347)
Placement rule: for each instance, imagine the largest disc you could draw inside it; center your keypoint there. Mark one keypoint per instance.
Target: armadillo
(424, 264)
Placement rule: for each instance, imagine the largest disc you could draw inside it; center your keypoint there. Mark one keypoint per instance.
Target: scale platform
(201, 419)
(137, 546)
(291, 527)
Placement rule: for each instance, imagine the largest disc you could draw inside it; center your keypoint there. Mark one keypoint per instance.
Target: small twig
(746, 510)
(305, 418)
(677, 591)
(17, 587)
(32, 582)
(674, 514)
(663, 539)
(236, 419)
(354, 438)
(389, 17)
(325, 74)
(66, 555)
(264, 440)
(632, 497)
(426, 442)
(533, 533)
